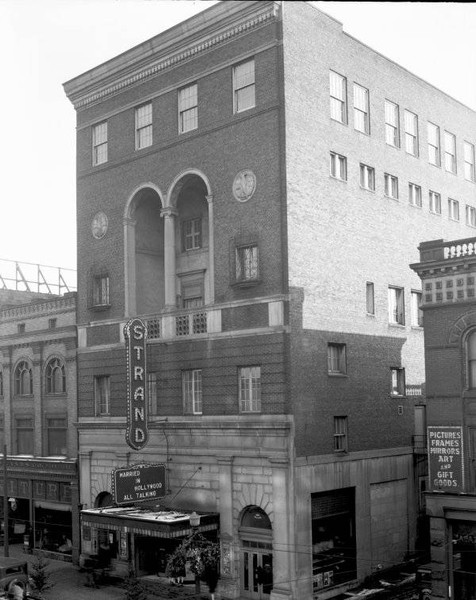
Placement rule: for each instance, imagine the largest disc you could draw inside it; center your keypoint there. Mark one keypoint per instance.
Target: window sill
(371, 315)
(56, 394)
(340, 122)
(338, 179)
(391, 198)
(397, 325)
(437, 214)
(246, 283)
(417, 327)
(331, 374)
(365, 189)
(415, 206)
(393, 396)
(99, 307)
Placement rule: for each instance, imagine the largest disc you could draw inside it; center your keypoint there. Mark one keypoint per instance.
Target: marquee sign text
(138, 483)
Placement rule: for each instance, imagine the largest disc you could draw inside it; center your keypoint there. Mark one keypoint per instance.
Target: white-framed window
(246, 261)
(338, 166)
(396, 305)
(101, 290)
(470, 216)
(367, 177)
(244, 86)
(100, 143)
(434, 202)
(188, 108)
(57, 435)
(249, 392)
(338, 97)
(340, 434)
(411, 132)
(450, 152)
(391, 186)
(416, 312)
(414, 195)
(397, 381)
(143, 117)
(192, 391)
(392, 124)
(361, 109)
(434, 147)
(471, 357)
(55, 377)
(453, 209)
(370, 298)
(192, 234)
(336, 359)
(469, 171)
(102, 394)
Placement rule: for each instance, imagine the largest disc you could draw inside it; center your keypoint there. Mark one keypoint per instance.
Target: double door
(257, 573)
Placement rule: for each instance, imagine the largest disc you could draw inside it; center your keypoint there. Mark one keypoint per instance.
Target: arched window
(23, 379)
(471, 353)
(103, 500)
(55, 377)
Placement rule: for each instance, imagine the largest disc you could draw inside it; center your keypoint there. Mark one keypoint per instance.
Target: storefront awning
(149, 522)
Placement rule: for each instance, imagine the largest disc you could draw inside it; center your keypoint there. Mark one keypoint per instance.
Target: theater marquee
(135, 334)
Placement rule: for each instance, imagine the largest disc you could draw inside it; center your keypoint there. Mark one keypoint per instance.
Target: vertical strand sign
(135, 334)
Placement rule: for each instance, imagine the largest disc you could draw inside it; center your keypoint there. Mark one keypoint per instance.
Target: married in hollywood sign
(445, 458)
(137, 483)
(135, 334)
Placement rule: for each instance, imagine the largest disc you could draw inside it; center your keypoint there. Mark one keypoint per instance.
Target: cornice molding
(83, 98)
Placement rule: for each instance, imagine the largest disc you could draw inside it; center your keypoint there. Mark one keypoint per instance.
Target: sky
(44, 43)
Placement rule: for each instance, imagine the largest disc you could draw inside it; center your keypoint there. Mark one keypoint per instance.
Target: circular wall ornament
(99, 225)
(244, 185)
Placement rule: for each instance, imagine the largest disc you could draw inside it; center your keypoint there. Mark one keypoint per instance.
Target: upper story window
(450, 152)
(416, 311)
(361, 109)
(24, 435)
(1, 382)
(55, 377)
(391, 186)
(192, 391)
(469, 171)
(471, 355)
(397, 381)
(338, 166)
(101, 290)
(152, 393)
(249, 384)
(434, 148)
(392, 124)
(244, 86)
(434, 202)
(414, 195)
(100, 143)
(396, 306)
(247, 262)
(453, 209)
(21, 328)
(23, 379)
(338, 97)
(188, 108)
(52, 323)
(192, 234)
(340, 434)
(336, 359)
(57, 435)
(144, 126)
(470, 216)
(370, 298)
(102, 395)
(411, 133)
(367, 177)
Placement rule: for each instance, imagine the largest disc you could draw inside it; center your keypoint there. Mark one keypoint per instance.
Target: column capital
(168, 211)
(209, 198)
(129, 221)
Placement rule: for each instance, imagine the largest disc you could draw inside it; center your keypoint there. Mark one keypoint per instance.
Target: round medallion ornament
(99, 225)
(244, 185)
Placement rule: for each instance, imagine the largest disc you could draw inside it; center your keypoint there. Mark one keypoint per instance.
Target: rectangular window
(361, 109)
(470, 216)
(414, 195)
(192, 234)
(144, 126)
(450, 152)
(102, 396)
(453, 209)
(370, 298)
(367, 177)
(336, 359)
(397, 381)
(152, 392)
(411, 133)
(249, 383)
(101, 290)
(340, 434)
(52, 323)
(338, 166)
(24, 435)
(417, 313)
(1, 385)
(100, 143)
(57, 431)
(244, 86)
(391, 186)
(192, 391)
(434, 148)
(396, 306)
(392, 124)
(247, 263)
(469, 171)
(338, 97)
(434, 202)
(188, 108)
(21, 328)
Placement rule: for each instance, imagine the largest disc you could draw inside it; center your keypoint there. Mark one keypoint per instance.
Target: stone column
(129, 267)
(283, 547)
(39, 425)
(229, 582)
(169, 214)
(211, 252)
(85, 478)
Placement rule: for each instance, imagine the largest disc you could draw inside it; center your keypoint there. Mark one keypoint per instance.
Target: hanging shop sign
(135, 334)
(138, 483)
(445, 458)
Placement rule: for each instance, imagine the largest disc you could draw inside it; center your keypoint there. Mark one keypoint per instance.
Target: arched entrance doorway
(256, 538)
